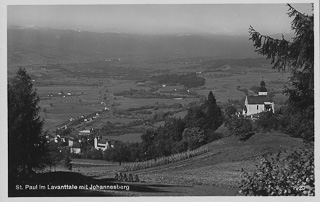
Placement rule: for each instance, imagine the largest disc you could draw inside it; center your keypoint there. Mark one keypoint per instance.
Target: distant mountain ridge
(40, 45)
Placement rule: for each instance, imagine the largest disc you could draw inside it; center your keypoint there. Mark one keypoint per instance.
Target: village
(255, 103)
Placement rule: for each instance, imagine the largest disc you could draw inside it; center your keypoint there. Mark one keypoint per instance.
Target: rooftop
(263, 89)
(259, 99)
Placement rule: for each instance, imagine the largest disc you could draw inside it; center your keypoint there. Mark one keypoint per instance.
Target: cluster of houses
(90, 117)
(60, 94)
(75, 144)
(254, 104)
(85, 118)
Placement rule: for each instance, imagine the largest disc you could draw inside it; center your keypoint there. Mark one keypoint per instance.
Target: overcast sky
(159, 19)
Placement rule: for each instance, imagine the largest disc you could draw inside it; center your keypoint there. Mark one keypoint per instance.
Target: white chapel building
(262, 102)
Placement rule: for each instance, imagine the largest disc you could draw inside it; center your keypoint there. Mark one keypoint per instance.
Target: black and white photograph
(159, 99)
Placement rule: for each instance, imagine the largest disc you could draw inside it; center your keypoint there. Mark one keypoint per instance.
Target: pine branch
(274, 49)
(293, 11)
(253, 33)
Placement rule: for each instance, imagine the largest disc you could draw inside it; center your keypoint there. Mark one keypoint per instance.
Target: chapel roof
(263, 89)
(260, 99)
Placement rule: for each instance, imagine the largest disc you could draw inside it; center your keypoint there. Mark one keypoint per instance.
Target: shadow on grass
(57, 184)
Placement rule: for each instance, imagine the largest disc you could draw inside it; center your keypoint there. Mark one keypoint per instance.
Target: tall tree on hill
(174, 128)
(194, 137)
(213, 113)
(195, 117)
(297, 56)
(27, 144)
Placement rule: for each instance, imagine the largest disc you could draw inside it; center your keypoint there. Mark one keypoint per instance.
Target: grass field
(219, 167)
(222, 165)
(225, 88)
(131, 137)
(92, 86)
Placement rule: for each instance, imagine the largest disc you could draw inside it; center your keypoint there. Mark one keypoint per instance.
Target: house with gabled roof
(85, 132)
(262, 102)
(102, 144)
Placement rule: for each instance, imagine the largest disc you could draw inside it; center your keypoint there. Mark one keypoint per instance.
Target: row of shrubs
(126, 178)
(300, 125)
(283, 174)
(165, 160)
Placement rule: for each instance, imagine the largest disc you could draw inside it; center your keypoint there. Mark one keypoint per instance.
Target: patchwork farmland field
(71, 90)
(130, 137)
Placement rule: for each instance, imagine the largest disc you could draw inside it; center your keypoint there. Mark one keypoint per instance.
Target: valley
(122, 97)
(160, 99)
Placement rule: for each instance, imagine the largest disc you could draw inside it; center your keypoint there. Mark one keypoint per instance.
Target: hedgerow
(165, 160)
(286, 174)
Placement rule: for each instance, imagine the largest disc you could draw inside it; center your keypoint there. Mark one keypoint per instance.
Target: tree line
(29, 148)
(190, 80)
(177, 135)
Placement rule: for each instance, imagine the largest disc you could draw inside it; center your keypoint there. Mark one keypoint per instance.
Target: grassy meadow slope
(216, 172)
(223, 163)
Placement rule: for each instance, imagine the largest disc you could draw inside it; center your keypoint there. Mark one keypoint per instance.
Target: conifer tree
(213, 113)
(297, 57)
(27, 144)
